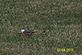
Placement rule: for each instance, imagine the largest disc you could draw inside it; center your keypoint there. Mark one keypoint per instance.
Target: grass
(60, 19)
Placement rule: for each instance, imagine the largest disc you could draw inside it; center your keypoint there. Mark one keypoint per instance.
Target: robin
(26, 32)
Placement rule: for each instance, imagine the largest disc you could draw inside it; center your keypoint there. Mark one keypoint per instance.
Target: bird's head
(22, 30)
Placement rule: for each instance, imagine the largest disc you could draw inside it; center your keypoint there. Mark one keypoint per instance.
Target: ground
(60, 19)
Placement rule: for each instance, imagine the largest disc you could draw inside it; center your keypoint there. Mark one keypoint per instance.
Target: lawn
(60, 19)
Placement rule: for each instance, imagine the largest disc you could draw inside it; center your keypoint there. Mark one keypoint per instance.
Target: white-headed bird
(26, 32)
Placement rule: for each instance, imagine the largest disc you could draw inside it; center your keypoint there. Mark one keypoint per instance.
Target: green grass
(61, 20)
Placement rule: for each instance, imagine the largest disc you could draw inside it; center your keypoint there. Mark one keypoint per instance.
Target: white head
(22, 30)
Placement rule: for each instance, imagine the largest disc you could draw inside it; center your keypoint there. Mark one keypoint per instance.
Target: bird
(26, 32)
